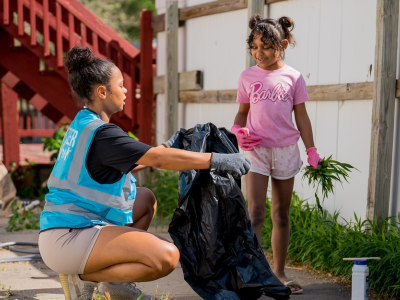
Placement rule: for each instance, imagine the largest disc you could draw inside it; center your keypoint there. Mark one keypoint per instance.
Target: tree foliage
(121, 15)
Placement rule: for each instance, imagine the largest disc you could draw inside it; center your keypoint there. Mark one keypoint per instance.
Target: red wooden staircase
(35, 36)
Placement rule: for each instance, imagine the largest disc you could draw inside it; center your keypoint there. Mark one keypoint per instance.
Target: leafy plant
(26, 181)
(8, 293)
(322, 241)
(28, 219)
(164, 185)
(54, 142)
(327, 171)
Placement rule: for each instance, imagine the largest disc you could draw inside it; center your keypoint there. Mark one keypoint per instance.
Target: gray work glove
(172, 139)
(235, 164)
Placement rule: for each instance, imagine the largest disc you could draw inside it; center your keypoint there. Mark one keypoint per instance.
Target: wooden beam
(146, 78)
(171, 76)
(9, 124)
(206, 9)
(223, 96)
(201, 10)
(211, 8)
(188, 81)
(273, 1)
(333, 92)
(382, 129)
(348, 91)
(255, 7)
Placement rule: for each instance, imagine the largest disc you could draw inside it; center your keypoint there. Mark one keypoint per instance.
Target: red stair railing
(67, 23)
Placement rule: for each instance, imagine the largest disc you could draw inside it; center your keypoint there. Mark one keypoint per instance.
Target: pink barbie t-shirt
(272, 95)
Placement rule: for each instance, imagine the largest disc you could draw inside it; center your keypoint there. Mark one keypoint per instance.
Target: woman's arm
(241, 116)
(142, 167)
(175, 159)
(304, 125)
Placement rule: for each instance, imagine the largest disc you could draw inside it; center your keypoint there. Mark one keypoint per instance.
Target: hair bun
(78, 58)
(254, 20)
(286, 22)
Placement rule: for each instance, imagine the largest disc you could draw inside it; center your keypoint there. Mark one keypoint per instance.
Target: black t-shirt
(113, 153)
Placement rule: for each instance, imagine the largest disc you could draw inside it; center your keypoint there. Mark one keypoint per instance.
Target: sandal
(293, 283)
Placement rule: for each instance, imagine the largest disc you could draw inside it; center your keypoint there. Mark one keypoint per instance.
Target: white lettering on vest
(69, 143)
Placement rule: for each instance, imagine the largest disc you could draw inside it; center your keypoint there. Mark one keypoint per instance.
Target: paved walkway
(36, 281)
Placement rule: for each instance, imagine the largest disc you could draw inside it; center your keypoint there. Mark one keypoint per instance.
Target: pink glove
(313, 157)
(245, 140)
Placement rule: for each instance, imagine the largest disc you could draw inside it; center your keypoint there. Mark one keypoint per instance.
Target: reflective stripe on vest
(74, 194)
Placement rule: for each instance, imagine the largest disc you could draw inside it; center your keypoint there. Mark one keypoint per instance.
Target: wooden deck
(32, 152)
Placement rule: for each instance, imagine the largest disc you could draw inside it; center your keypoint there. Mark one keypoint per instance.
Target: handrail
(64, 24)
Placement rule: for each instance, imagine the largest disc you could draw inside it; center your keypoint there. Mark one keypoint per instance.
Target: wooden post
(59, 42)
(46, 28)
(146, 77)
(9, 124)
(254, 7)
(380, 165)
(171, 74)
(32, 14)
(71, 29)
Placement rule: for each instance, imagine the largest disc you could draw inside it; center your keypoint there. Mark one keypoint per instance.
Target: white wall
(335, 44)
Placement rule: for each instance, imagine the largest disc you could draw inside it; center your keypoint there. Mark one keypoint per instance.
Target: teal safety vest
(76, 200)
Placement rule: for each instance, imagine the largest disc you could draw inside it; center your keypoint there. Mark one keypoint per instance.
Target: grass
(9, 292)
(322, 241)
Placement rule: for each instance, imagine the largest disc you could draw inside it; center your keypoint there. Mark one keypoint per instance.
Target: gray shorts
(67, 250)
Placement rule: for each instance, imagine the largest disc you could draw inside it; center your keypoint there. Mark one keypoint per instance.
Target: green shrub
(54, 143)
(164, 185)
(28, 219)
(319, 239)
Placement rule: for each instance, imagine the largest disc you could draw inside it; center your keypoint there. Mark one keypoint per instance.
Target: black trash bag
(219, 252)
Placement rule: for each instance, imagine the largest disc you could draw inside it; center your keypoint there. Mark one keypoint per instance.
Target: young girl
(268, 93)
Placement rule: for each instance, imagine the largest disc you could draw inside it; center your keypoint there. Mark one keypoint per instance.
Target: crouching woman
(93, 227)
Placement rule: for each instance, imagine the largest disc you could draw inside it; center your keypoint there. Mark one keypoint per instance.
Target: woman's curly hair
(272, 32)
(85, 71)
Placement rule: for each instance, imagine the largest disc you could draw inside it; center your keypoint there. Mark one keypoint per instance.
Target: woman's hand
(235, 164)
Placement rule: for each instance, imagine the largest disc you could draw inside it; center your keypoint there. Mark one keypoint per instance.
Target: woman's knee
(168, 259)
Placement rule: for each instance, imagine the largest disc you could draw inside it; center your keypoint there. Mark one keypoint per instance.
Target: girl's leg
(124, 254)
(256, 190)
(281, 197)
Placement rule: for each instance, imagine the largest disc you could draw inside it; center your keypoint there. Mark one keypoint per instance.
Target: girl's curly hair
(272, 32)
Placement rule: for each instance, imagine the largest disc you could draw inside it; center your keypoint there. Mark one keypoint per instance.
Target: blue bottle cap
(360, 262)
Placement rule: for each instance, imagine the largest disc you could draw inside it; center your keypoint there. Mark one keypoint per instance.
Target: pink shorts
(280, 163)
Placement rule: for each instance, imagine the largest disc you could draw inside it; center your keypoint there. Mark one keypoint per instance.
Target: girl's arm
(241, 116)
(303, 124)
